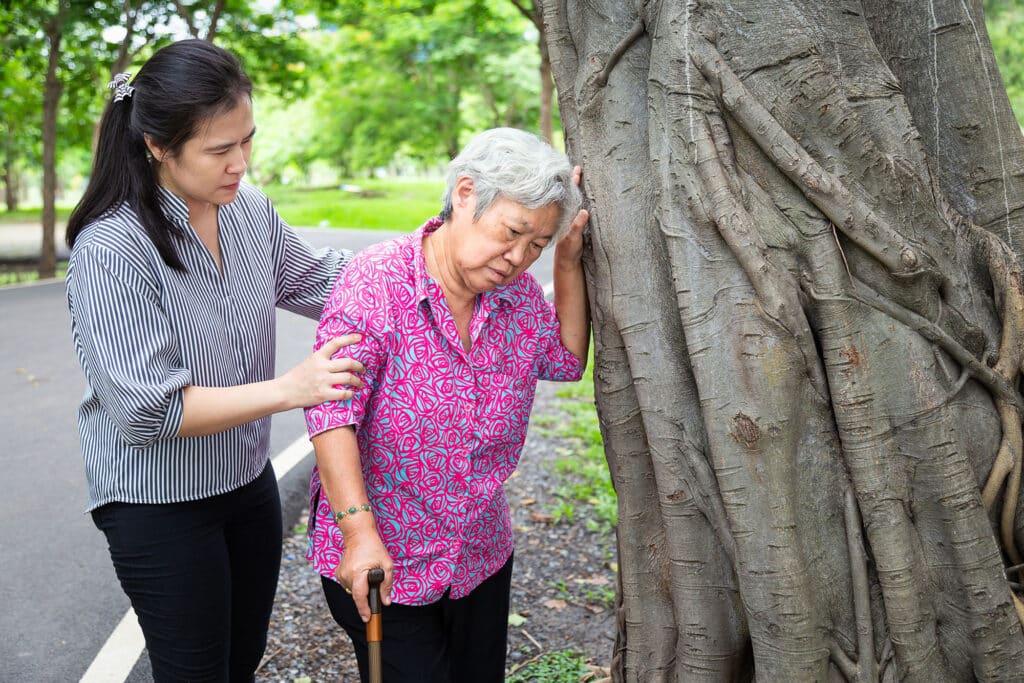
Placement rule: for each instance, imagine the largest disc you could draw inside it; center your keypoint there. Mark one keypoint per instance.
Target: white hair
(515, 165)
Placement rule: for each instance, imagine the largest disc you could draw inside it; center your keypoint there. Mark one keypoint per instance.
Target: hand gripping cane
(374, 628)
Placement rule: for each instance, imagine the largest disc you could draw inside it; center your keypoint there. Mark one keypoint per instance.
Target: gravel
(563, 584)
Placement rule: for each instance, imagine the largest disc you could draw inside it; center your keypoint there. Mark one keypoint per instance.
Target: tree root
(1006, 280)
(865, 669)
(848, 212)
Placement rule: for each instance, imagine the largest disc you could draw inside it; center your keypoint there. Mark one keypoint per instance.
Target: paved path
(59, 598)
(22, 241)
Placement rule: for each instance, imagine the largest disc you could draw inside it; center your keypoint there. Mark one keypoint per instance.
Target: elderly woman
(455, 335)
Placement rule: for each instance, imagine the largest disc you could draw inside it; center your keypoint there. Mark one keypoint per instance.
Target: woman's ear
(464, 195)
(158, 152)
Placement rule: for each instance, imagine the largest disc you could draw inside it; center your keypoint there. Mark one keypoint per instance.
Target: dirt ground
(563, 584)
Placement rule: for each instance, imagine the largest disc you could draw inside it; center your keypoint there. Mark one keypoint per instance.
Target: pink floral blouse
(439, 429)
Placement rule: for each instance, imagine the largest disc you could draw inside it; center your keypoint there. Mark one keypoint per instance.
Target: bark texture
(808, 329)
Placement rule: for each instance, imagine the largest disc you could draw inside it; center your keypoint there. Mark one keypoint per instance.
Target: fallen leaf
(541, 517)
(594, 581)
(556, 603)
(528, 501)
(516, 619)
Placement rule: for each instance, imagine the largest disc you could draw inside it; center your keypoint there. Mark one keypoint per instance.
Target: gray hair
(515, 165)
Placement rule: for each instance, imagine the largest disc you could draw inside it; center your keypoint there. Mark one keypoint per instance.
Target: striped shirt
(144, 331)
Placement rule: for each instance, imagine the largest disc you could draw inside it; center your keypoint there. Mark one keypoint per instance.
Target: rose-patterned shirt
(439, 429)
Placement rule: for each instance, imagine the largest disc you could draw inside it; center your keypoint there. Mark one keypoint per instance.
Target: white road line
(118, 656)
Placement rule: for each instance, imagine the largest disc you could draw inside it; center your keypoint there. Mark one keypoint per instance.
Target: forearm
(573, 308)
(210, 410)
(341, 476)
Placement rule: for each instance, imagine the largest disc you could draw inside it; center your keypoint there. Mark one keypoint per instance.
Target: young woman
(176, 268)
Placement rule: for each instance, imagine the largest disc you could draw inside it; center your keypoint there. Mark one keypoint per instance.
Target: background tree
(532, 11)
(808, 316)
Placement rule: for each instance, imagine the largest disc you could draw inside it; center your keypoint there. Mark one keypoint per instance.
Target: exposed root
(1019, 606)
(634, 34)
(848, 212)
(865, 669)
(1006, 469)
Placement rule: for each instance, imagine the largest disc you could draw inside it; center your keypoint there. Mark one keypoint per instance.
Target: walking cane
(374, 628)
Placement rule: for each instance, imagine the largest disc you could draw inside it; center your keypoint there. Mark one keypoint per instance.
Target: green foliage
(582, 464)
(393, 204)
(1005, 22)
(561, 666)
(406, 80)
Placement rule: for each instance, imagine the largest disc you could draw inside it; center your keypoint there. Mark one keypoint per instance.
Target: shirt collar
(498, 296)
(174, 207)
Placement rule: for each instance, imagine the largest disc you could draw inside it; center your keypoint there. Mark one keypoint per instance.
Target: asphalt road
(59, 597)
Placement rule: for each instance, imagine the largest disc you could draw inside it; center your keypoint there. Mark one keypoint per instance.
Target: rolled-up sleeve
(358, 304)
(128, 349)
(554, 361)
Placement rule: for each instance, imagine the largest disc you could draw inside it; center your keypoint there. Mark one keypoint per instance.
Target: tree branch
(214, 18)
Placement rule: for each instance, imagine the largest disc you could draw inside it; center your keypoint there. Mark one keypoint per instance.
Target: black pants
(201, 577)
(448, 641)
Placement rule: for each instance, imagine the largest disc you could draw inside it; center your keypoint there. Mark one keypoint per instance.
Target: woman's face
(210, 165)
(496, 248)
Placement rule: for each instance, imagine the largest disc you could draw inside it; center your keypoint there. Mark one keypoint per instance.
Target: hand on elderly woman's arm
(571, 304)
(337, 458)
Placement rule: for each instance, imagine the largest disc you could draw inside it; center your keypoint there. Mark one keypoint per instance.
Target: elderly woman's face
(496, 248)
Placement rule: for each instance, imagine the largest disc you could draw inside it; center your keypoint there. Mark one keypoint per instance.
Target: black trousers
(448, 641)
(201, 577)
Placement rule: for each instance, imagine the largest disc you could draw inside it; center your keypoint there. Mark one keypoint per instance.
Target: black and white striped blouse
(144, 331)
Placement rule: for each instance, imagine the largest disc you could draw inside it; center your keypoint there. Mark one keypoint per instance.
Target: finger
(332, 346)
(361, 595)
(335, 394)
(581, 219)
(577, 173)
(345, 364)
(342, 380)
(385, 587)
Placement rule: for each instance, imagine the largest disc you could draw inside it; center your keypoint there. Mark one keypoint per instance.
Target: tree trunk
(547, 87)
(51, 101)
(10, 174)
(808, 323)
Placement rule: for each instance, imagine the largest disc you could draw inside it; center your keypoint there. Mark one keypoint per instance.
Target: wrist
(277, 392)
(355, 520)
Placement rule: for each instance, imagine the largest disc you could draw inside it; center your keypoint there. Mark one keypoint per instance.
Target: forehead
(227, 125)
(540, 222)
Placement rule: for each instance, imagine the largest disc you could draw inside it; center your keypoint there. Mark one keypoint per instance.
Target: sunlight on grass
(391, 204)
(586, 482)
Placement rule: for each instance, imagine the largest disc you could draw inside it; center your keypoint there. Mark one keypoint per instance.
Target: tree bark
(808, 320)
(52, 90)
(10, 174)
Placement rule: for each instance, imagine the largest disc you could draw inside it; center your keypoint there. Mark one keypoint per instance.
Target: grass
(32, 215)
(587, 488)
(15, 276)
(391, 204)
(561, 666)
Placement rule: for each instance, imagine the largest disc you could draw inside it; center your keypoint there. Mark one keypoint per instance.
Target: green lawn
(392, 204)
(32, 214)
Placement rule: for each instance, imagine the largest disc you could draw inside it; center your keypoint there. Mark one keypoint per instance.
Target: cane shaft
(376, 665)
(374, 629)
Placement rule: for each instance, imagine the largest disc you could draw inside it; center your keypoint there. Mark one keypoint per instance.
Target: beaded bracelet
(351, 511)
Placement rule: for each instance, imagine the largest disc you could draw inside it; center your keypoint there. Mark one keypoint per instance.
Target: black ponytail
(179, 89)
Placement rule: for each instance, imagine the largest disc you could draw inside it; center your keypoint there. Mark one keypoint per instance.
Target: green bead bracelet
(351, 511)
